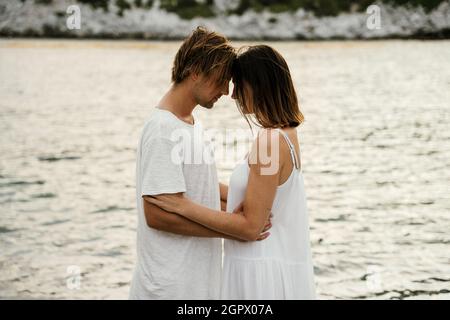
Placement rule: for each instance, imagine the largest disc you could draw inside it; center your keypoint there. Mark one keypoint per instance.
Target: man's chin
(208, 105)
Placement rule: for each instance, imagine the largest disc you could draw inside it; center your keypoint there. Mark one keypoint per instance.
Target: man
(178, 258)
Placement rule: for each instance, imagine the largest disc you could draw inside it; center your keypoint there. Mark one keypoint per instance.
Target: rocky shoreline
(28, 19)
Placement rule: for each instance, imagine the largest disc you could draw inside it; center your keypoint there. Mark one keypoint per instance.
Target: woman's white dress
(279, 267)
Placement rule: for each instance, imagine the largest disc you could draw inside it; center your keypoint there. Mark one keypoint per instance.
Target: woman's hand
(174, 203)
(223, 205)
(264, 234)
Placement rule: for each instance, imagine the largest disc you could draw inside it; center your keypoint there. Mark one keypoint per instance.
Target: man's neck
(180, 102)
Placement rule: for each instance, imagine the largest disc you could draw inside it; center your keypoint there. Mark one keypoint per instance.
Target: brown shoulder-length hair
(206, 52)
(265, 71)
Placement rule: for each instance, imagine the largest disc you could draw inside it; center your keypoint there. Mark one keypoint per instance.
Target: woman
(269, 179)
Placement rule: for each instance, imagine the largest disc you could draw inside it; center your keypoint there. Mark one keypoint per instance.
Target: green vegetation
(143, 3)
(103, 4)
(188, 9)
(324, 7)
(122, 5)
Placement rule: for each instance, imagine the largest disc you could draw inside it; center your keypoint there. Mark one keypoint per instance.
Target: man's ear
(194, 76)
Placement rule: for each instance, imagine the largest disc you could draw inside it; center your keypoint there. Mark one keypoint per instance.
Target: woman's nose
(233, 93)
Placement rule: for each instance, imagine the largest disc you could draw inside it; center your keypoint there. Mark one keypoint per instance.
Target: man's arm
(161, 220)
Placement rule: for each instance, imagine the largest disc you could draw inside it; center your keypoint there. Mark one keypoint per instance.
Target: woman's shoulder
(268, 146)
(274, 137)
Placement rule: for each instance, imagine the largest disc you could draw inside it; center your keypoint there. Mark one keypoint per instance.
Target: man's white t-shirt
(171, 266)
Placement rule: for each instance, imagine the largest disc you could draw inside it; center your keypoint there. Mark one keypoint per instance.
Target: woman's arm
(261, 189)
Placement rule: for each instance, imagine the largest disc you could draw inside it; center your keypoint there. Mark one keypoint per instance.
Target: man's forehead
(217, 77)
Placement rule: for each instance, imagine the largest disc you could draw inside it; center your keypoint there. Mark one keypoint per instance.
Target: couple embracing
(183, 210)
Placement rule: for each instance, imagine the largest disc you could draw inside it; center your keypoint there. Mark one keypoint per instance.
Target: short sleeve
(161, 171)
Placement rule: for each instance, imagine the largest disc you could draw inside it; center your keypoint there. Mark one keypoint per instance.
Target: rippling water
(375, 149)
